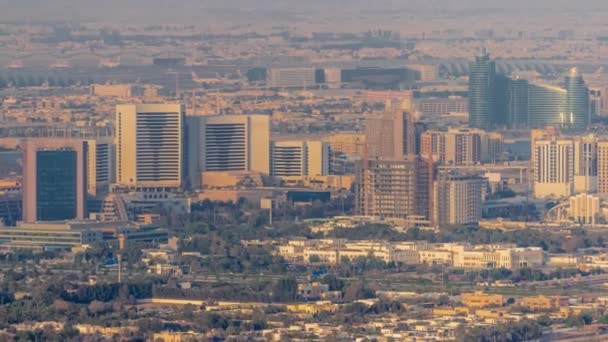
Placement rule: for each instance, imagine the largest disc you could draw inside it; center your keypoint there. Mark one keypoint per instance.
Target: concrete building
(227, 144)
(300, 158)
(149, 145)
(602, 167)
(458, 199)
(54, 179)
(394, 188)
(112, 90)
(291, 77)
(461, 255)
(585, 164)
(442, 106)
(461, 146)
(481, 300)
(333, 77)
(428, 72)
(553, 168)
(391, 135)
(585, 209)
(350, 144)
(72, 233)
(100, 166)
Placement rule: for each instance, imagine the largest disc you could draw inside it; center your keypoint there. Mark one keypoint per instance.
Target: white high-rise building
(149, 145)
(553, 168)
(457, 199)
(300, 158)
(228, 143)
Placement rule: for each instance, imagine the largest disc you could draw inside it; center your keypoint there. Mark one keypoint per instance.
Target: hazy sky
(188, 11)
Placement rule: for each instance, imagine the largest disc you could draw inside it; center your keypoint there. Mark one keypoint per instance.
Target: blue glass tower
(482, 72)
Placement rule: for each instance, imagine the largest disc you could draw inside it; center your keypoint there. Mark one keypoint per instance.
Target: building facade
(394, 188)
(461, 146)
(391, 135)
(577, 100)
(227, 143)
(54, 180)
(291, 77)
(482, 72)
(458, 199)
(300, 158)
(553, 168)
(100, 166)
(149, 145)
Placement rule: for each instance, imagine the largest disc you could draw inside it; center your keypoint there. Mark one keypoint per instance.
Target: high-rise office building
(300, 158)
(547, 105)
(227, 143)
(497, 100)
(500, 101)
(100, 166)
(577, 100)
(149, 145)
(517, 103)
(553, 168)
(391, 135)
(457, 199)
(394, 188)
(482, 73)
(54, 179)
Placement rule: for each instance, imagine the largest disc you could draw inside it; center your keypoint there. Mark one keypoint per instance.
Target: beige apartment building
(461, 146)
(457, 198)
(602, 167)
(553, 168)
(394, 188)
(391, 134)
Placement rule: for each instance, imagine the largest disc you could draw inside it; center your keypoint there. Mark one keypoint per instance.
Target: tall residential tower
(481, 87)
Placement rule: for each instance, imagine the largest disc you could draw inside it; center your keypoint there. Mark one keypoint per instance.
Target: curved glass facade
(547, 105)
(578, 100)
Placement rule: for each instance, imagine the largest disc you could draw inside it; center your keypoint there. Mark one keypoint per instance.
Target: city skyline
(339, 170)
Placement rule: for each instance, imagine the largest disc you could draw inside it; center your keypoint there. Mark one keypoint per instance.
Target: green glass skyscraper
(517, 106)
(578, 100)
(547, 105)
(481, 91)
